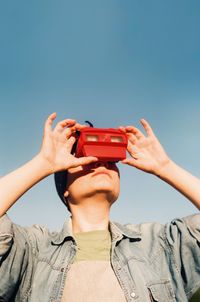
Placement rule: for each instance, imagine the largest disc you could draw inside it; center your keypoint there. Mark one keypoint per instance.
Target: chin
(101, 186)
(106, 187)
(109, 193)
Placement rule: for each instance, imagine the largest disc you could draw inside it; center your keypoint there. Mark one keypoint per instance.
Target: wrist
(165, 169)
(44, 164)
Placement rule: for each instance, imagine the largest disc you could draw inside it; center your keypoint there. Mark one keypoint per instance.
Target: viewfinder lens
(116, 139)
(92, 138)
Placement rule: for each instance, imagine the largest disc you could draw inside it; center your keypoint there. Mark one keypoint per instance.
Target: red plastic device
(105, 143)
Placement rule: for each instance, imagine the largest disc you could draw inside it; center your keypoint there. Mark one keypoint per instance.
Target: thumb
(83, 161)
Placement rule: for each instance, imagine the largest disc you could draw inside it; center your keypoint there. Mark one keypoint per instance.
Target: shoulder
(155, 233)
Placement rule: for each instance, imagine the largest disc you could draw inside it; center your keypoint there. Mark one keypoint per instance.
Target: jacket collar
(65, 234)
(118, 231)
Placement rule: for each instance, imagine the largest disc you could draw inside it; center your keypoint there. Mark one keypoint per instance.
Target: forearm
(16, 183)
(181, 180)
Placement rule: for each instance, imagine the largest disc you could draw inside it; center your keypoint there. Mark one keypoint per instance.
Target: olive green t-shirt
(91, 277)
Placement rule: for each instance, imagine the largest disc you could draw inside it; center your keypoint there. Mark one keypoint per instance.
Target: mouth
(101, 172)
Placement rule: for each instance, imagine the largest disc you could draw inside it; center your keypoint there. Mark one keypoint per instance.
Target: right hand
(57, 145)
(146, 152)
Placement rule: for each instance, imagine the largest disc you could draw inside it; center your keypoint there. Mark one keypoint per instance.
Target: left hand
(147, 154)
(57, 145)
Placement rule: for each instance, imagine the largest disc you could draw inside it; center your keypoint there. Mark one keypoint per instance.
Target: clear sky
(110, 62)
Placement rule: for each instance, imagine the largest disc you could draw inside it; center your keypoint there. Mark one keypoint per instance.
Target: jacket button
(133, 295)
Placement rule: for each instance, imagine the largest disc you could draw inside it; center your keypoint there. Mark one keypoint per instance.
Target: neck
(90, 216)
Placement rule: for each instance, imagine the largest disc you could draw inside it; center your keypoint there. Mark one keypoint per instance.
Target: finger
(70, 143)
(135, 131)
(64, 123)
(131, 138)
(80, 126)
(122, 128)
(147, 127)
(74, 128)
(132, 149)
(130, 161)
(49, 122)
(82, 161)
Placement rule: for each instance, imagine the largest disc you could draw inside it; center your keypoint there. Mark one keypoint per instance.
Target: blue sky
(110, 62)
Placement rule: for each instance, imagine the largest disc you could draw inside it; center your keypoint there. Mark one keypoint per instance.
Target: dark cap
(60, 179)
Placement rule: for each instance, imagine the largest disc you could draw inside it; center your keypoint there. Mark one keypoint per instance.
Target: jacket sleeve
(18, 250)
(183, 239)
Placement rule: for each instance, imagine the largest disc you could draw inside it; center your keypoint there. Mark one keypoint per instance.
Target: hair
(60, 179)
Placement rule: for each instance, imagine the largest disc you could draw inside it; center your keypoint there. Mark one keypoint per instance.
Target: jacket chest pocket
(161, 292)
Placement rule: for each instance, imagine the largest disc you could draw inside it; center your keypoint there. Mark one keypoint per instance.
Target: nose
(101, 164)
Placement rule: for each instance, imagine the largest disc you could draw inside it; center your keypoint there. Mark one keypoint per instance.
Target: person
(93, 258)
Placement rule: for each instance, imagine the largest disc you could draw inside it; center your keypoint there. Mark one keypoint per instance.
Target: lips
(102, 172)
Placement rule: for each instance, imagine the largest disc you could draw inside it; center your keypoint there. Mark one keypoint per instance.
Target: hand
(57, 145)
(146, 152)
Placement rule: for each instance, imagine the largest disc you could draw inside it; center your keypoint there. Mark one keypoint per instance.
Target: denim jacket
(152, 262)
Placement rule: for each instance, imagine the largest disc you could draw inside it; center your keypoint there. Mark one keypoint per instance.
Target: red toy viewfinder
(105, 143)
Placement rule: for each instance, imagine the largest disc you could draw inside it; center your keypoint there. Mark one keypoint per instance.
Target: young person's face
(93, 179)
